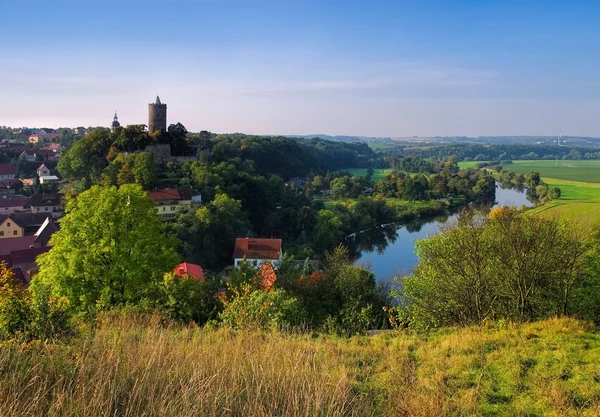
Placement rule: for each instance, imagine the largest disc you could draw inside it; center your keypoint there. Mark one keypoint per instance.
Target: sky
(389, 68)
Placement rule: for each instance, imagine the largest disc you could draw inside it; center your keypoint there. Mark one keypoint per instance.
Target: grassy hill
(135, 367)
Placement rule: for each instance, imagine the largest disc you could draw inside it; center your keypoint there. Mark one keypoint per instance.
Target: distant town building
(41, 136)
(157, 116)
(115, 123)
(168, 200)
(47, 203)
(7, 171)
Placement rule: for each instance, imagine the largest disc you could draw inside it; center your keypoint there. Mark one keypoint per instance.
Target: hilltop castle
(157, 116)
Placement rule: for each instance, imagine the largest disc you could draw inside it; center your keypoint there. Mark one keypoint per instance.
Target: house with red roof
(8, 172)
(50, 203)
(13, 203)
(186, 269)
(257, 251)
(168, 200)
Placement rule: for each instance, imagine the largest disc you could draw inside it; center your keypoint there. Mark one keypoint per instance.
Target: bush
(14, 304)
(257, 309)
(189, 299)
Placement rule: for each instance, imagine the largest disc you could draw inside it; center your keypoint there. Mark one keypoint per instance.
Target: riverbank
(133, 367)
(579, 183)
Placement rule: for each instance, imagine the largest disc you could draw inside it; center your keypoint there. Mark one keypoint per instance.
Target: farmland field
(576, 170)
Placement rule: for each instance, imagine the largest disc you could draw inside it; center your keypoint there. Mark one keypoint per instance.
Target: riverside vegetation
(498, 318)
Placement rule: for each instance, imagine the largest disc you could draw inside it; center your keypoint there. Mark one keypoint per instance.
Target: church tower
(115, 122)
(157, 116)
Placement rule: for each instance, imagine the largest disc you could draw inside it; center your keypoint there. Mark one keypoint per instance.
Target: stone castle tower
(157, 116)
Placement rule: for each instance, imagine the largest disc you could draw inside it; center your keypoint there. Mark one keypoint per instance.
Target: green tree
(144, 170)
(110, 250)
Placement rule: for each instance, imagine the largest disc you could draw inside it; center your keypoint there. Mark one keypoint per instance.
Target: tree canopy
(110, 250)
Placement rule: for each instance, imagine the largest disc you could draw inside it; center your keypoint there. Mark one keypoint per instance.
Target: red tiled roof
(8, 169)
(8, 245)
(191, 270)
(26, 256)
(30, 152)
(14, 201)
(45, 199)
(162, 195)
(253, 248)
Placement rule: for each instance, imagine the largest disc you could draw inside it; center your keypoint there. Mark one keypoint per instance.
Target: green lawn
(378, 174)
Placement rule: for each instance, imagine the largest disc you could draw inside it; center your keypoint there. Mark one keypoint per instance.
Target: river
(389, 250)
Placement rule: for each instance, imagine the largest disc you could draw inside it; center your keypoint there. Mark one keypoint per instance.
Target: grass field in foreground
(378, 174)
(131, 368)
(574, 170)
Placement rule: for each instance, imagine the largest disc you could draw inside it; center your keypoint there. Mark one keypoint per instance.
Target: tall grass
(136, 367)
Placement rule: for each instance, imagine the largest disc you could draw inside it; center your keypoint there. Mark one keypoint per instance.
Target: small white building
(258, 251)
(46, 179)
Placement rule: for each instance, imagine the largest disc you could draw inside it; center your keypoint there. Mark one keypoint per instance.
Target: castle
(157, 116)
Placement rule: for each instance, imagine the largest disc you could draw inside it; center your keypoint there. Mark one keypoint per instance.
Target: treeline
(474, 185)
(288, 157)
(481, 152)
(507, 266)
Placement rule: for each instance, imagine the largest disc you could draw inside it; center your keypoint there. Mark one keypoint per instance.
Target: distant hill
(342, 138)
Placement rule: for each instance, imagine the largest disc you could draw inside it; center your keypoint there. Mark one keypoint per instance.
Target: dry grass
(131, 367)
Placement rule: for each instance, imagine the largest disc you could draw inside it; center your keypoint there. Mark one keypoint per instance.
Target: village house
(20, 224)
(258, 251)
(41, 136)
(42, 171)
(168, 200)
(28, 155)
(46, 179)
(53, 147)
(47, 203)
(186, 269)
(10, 186)
(8, 172)
(13, 203)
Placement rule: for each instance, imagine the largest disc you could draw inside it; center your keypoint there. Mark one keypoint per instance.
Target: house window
(8, 224)
(45, 208)
(14, 232)
(163, 209)
(172, 208)
(1, 232)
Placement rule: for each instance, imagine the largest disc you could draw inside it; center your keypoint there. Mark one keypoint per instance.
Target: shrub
(257, 309)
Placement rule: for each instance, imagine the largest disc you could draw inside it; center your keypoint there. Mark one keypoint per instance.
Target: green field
(584, 171)
(579, 183)
(378, 174)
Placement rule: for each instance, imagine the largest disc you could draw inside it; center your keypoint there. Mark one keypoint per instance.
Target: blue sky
(376, 68)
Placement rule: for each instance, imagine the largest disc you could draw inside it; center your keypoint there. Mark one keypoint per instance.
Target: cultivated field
(135, 368)
(583, 171)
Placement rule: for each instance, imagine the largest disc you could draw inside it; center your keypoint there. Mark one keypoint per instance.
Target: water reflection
(389, 249)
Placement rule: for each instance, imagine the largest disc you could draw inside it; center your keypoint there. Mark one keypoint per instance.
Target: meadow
(378, 174)
(138, 367)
